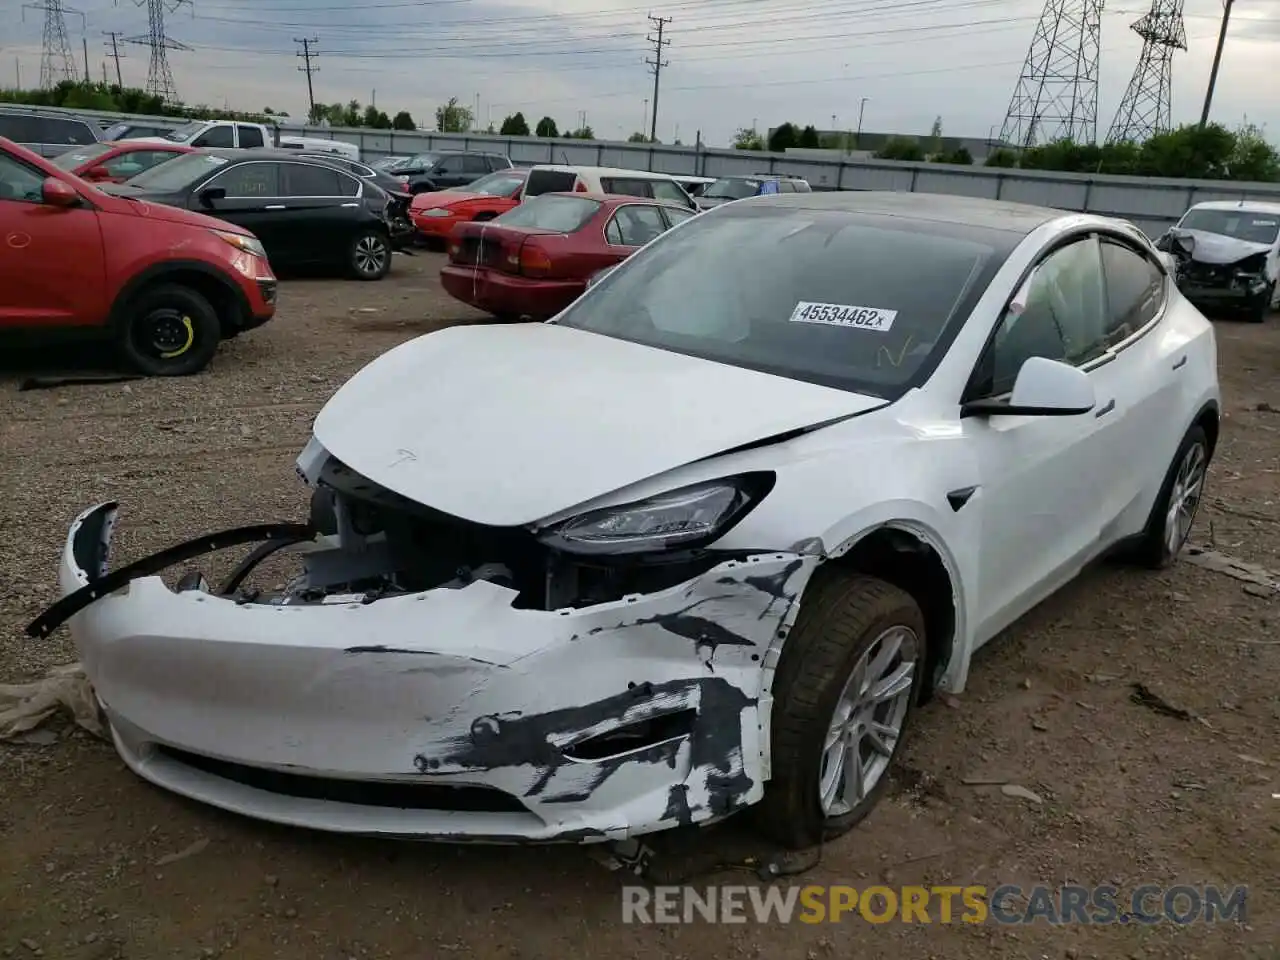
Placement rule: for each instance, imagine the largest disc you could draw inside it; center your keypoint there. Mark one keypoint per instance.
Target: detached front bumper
(447, 714)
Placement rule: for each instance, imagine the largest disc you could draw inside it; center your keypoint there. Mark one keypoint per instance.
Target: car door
(1044, 479)
(322, 209)
(631, 227)
(1146, 377)
(53, 271)
(252, 201)
(218, 136)
(474, 166)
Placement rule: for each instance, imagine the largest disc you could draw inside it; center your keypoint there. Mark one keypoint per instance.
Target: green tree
(1002, 157)
(747, 139)
(373, 117)
(639, 137)
(809, 138)
(403, 121)
(783, 137)
(901, 148)
(515, 126)
(582, 133)
(1253, 157)
(452, 117)
(959, 156)
(547, 128)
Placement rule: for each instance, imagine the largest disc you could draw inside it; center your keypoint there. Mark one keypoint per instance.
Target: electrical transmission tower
(657, 63)
(1147, 106)
(159, 76)
(308, 54)
(1057, 93)
(56, 60)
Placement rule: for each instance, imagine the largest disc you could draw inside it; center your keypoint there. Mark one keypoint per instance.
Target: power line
(306, 55)
(56, 60)
(657, 63)
(115, 36)
(1217, 60)
(159, 74)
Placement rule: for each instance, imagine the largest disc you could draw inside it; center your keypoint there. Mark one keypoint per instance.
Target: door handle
(1181, 363)
(345, 205)
(274, 206)
(1110, 405)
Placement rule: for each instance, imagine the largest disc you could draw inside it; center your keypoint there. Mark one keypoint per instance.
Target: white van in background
(557, 178)
(320, 145)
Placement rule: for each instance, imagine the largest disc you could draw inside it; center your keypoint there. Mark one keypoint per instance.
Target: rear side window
(626, 187)
(1135, 290)
(70, 132)
(561, 214)
(215, 137)
(669, 191)
(17, 129)
(250, 136)
(498, 163)
(549, 181)
(304, 180)
(474, 164)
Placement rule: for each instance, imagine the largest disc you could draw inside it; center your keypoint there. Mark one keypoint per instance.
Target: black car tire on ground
(1152, 550)
(370, 255)
(1258, 310)
(168, 331)
(841, 618)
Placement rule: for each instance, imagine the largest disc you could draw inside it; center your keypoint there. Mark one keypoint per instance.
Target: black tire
(1152, 550)
(168, 331)
(842, 617)
(369, 257)
(324, 514)
(483, 217)
(1257, 312)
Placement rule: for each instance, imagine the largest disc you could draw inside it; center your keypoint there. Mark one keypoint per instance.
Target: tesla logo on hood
(402, 456)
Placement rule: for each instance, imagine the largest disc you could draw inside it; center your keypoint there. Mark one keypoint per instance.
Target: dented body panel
(447, 688)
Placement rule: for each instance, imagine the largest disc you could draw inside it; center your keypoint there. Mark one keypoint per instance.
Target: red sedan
(537, 259)
(435, 214)
(116, 162)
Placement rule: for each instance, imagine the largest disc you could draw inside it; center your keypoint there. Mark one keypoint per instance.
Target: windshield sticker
(1264, 223)
(844, 315)
(214, 161)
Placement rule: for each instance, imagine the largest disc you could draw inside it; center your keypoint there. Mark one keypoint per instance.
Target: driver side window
(1060, 313)
(19, 182)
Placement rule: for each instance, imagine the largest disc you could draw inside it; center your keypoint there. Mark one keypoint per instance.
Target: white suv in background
(556, 178)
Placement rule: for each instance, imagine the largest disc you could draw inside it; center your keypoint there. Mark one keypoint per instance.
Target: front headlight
(685, 518)
(241, 242)
(436, 212)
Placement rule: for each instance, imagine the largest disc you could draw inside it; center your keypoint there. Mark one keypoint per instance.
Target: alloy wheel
(867, 723)
(370, 255)
(1184, 497)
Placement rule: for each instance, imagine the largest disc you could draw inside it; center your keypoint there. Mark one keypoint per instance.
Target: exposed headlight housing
(241, 242)
(685, 518)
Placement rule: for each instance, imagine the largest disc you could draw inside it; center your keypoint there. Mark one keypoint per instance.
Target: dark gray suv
(48, 134)
(440, 169)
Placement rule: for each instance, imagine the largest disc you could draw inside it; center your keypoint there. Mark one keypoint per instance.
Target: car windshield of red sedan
(550, 212)
(856, 301)
(79, 156)
(500, 184)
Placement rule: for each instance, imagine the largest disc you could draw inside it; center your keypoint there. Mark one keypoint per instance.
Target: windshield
(732, 188)
(390, 163)
(185, 132)
(177, 174)
(422, 161)
(79, 156)
(551, 212)
(501, 184)
(1239, 224)
(853, 301)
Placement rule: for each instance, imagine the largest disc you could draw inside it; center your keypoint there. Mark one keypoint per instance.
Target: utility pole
(115, 36)
(85, 42)
(307, 54)
(1217, 59)
(657, 63)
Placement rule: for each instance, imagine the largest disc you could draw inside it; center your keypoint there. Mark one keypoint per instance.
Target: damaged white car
(1227, 255)
(700, 544)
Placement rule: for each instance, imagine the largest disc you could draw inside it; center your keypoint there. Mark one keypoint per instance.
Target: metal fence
(1152, 204)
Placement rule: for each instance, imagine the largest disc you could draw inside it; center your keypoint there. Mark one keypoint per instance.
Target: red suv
(165, 284)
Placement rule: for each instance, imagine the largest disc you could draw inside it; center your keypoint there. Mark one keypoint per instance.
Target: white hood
(505, 425)
(144, 140)
(1214, 248)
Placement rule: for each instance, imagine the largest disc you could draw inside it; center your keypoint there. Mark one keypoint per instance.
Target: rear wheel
(370, 255)
(169, 331)
(846, 688)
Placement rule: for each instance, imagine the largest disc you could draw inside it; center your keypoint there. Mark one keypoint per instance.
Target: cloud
(730, 63)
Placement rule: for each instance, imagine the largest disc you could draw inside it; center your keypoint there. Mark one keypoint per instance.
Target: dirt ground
(1129, 796)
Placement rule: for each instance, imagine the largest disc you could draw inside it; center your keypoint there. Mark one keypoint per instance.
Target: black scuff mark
(703, 632)
(423, 653)
(678, 810)
(775, 586)
(540, 740)
(604, 769)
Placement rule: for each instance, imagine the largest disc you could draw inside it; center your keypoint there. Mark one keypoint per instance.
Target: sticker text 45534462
(844, 315)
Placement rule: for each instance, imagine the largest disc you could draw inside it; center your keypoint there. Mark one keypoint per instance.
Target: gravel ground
(1128, 795)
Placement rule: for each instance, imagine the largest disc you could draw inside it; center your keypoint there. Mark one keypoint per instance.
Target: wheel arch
(1209, 419)
(228, 301)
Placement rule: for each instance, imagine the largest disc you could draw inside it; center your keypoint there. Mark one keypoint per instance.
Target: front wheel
(845, 689)
(1169, 526)
(169, 331)
(370, 255)
(1259, 309)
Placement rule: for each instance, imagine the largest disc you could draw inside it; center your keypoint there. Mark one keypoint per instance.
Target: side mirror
(209, 196)
(1044, 388)
(598, 276)
(97, 173)
(56, 193)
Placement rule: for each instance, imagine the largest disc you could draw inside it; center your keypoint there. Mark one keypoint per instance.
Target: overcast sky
(731, 62)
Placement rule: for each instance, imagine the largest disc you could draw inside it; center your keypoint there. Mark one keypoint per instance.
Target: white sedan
(699, 544)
